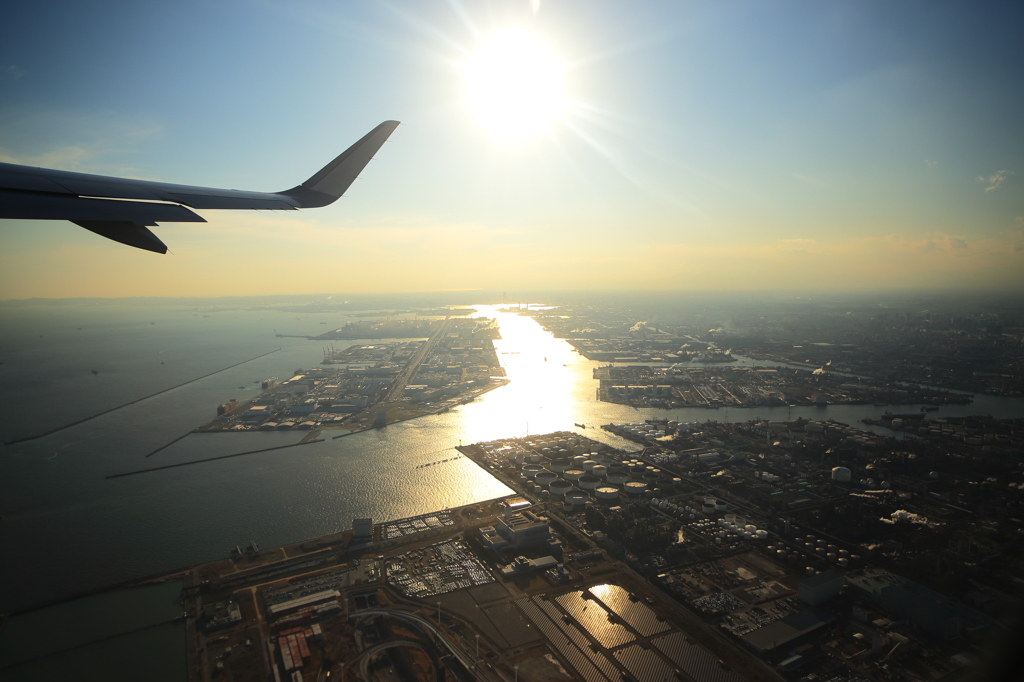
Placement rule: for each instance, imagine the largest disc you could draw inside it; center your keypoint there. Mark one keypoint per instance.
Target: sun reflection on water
(541, 396)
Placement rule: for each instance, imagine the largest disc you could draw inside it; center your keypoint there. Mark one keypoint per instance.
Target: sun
(514, 86)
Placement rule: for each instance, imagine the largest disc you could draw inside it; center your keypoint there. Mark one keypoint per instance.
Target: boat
(582, 426)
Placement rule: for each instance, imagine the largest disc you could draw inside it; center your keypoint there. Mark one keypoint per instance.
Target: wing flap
(36, 206)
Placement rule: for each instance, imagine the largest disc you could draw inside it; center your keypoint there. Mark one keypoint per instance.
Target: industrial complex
(755, 551)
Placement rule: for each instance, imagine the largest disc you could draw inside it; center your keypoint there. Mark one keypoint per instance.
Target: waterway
(66, 528)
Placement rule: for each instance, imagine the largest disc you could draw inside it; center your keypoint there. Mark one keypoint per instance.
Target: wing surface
(121, 209)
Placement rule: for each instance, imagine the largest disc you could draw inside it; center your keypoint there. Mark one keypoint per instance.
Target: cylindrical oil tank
(618, 477)
(708, 509)
(531, 470)
(578, 461)
(573, 474)
(710, 500)
(589, 482)
(635, 487)
(843, 562)
(576, 497)
(720, 507)
(607, 492)
(559, 487)
(599, 470)
(650, 476)
(579, 450)
(533, 458)
(588, 465)
(545, 477)
(559, 466)
(761, 534)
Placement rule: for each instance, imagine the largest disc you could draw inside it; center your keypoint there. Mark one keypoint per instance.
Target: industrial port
(752, 551)
(372, 385)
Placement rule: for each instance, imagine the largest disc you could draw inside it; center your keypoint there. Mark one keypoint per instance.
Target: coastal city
(376, 384)
(709, 509)
(754, 551)
(719, 549)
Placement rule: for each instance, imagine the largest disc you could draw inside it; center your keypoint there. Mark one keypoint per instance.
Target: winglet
(333, 179)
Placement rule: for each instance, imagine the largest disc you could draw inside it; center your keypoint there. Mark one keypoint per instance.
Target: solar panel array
(592, 616)
(695, 660)
(579, 639)
(644, 664)
(556, 637)
(638, 615)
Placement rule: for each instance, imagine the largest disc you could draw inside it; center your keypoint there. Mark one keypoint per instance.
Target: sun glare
(514, 86)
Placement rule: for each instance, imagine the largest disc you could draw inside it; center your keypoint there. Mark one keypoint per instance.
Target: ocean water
(66, 528)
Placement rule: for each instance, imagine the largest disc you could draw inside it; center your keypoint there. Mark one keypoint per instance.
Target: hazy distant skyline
(725, 146)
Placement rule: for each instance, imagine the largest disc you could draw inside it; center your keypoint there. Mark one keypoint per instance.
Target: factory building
(294, 604)
(820, 588)
(927, 609)
(788, 630)
(523, 529)
(524, 565)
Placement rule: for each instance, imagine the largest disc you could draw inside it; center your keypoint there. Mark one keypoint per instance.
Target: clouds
(995, 180)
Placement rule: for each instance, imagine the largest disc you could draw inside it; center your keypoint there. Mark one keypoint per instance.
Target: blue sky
(733, 145)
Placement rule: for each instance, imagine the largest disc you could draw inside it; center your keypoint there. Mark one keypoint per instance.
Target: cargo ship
(224, 408)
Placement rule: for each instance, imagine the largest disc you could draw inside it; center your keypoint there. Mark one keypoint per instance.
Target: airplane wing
(123, 209)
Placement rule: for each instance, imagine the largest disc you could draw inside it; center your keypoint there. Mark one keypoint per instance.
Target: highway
(402, 380)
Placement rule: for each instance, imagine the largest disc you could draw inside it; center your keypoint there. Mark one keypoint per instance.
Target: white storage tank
(589, 482)
(545, 477)
(531, 470)
(600, 470)
(841, 474)
(619, 477)
(606, 492)
(573, 474)
(635, 487)
(559, 488)
(576, 498)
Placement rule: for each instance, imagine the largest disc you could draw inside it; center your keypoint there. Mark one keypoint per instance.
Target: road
(402, 380)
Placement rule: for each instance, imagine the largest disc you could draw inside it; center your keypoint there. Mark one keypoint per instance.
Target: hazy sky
(694, 146)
